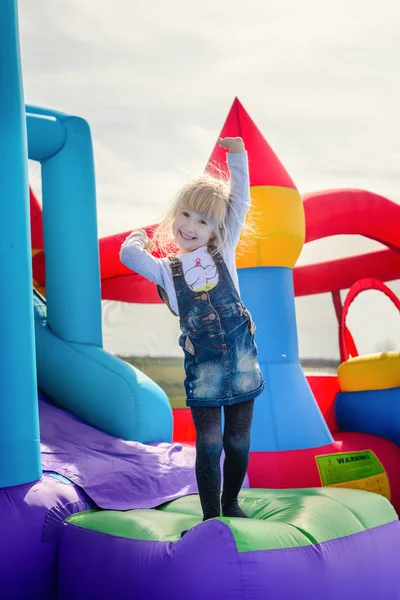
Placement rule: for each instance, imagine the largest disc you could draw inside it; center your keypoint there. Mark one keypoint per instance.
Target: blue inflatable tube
(19, 428)
(376, 412)
(286, 414)
(106, 392)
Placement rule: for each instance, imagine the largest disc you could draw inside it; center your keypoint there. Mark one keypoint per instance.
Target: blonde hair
(206, 195)
(209, 195)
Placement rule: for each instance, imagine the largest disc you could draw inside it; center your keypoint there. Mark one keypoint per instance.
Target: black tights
(209, 443)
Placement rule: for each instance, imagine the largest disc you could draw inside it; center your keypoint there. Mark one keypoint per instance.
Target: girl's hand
(139, 236)
(233, 144)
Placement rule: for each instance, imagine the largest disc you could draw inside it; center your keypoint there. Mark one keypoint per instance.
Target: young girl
(200, 285)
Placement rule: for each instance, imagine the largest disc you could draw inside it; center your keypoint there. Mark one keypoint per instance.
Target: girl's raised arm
(240, 187)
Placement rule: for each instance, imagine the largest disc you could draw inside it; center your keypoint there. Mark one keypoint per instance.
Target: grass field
(169, 373)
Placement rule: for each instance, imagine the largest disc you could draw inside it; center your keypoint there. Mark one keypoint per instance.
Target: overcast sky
(155, 80)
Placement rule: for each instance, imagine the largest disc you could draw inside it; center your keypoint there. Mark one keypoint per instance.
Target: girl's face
(191, 230)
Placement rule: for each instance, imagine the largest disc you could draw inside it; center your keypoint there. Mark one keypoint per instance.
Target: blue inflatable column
(286, 415)
(19, 427)
(70, 237)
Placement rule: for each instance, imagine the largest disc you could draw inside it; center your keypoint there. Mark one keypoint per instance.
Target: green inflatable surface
(277, 518)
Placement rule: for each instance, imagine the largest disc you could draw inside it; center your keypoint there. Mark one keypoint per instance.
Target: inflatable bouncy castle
(93, 491)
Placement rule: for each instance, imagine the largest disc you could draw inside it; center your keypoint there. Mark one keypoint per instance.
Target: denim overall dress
(218, 341)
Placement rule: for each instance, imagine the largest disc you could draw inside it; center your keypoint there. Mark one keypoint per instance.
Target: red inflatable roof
(265, 168)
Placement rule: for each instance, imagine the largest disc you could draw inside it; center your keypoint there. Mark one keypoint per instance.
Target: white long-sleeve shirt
(198, 266)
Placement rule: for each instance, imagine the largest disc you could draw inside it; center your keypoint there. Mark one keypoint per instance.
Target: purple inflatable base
(205, 564)
(39, 564)
(31, 516)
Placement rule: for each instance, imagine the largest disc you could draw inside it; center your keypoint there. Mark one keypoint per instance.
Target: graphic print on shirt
(200, 278)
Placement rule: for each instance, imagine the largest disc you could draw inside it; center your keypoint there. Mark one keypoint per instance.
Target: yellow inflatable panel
(370, 372)
(269, 251)
(277, 217)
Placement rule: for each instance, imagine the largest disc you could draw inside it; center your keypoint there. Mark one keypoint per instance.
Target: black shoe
(233, 510)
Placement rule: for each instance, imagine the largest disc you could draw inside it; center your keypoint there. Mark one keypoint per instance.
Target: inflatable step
(297, 544)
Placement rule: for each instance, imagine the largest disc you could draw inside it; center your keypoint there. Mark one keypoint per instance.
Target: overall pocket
(189, 346)
(186, 344)
(250, 321)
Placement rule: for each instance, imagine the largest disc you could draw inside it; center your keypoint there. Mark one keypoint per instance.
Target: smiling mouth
(186, 237)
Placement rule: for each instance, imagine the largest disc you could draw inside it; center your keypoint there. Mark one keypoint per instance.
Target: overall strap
(176, 266)
(223, 269)
(176, 270)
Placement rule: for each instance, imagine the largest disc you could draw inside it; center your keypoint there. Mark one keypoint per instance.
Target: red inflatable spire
(264, 166)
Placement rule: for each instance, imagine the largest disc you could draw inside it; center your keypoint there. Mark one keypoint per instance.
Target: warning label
(360, 470)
